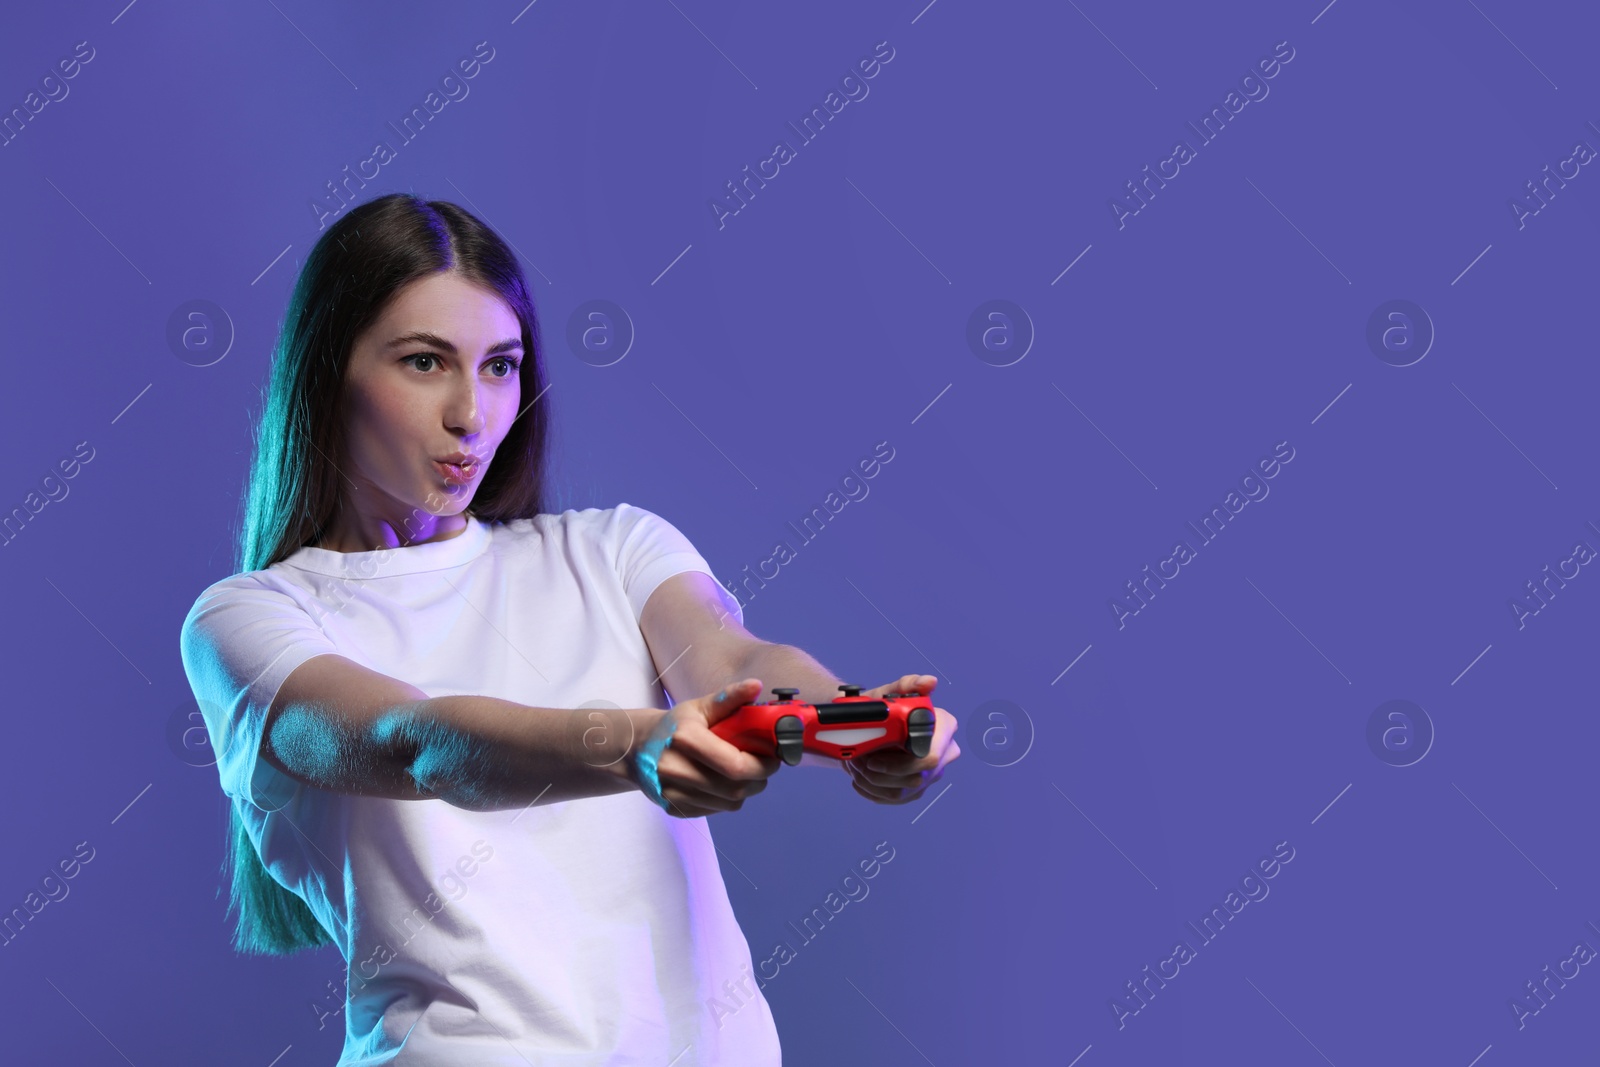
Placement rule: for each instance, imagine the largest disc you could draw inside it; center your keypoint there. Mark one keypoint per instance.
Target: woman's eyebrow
(423, 337)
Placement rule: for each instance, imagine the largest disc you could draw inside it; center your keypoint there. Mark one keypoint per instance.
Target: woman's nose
(466, 411)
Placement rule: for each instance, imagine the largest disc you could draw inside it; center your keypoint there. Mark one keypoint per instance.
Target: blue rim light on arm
(649, 755)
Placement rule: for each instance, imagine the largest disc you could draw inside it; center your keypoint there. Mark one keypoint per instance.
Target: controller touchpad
(851, 737)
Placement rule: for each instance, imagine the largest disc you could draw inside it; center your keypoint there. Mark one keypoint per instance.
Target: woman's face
(434, 378)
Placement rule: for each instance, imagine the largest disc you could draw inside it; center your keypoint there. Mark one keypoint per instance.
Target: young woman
(438, 709)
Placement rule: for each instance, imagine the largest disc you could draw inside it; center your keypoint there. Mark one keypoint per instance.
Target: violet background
(1141, 771)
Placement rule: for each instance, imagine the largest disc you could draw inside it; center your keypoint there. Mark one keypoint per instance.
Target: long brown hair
(351, 274)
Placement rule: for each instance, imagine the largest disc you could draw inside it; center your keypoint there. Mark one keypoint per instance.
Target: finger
(895, 762)
(729, 699)
(685, 810)
(680, 769)
(905, 683)
(884, 781)
(895, 781)
(766, 767)
(908, 683)
(692, 804)
(736, 694)
(886, 796)
(719, 755)
(716, 757)
(899, 761)
(938, 747)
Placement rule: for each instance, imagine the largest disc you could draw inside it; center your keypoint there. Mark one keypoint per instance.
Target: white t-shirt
(592, 931)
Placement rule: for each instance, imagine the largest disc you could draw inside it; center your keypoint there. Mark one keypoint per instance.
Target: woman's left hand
(893, 775)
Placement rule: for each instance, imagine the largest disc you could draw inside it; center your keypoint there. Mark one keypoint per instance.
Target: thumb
(722, 705)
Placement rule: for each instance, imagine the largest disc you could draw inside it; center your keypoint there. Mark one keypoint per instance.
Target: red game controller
(847, 728)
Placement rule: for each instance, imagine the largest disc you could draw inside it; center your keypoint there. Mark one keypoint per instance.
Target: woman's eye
(511, 365)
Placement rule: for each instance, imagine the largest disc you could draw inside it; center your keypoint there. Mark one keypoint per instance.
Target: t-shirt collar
(387, 562)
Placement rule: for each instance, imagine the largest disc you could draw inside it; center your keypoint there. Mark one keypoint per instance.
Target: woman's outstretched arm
(339, 726)
(687, 626)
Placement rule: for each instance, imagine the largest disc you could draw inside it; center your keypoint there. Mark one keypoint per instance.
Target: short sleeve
(239, 642)
(649, 550)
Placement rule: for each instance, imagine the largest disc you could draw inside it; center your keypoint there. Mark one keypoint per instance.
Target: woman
(437, 708)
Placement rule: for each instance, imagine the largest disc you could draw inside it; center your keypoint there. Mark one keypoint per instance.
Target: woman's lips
(456, 473)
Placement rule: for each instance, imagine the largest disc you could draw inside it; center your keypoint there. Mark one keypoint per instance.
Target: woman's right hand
(700, 773)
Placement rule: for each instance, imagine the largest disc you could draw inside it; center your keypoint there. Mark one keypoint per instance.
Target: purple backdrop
(1366, 275)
